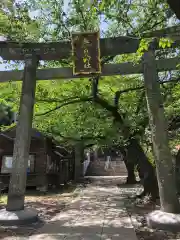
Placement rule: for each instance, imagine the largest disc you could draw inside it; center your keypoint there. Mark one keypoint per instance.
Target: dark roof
(11, 133)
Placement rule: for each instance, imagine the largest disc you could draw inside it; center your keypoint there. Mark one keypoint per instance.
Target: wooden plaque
(86, 53)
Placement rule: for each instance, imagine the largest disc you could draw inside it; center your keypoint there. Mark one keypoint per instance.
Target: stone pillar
(164, 165)
(17, 184)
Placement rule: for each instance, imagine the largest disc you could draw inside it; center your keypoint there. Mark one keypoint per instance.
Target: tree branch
(85, 99)
(125, 129)
(82, 16)
(103, 103)
(118, 93)
(52, 100)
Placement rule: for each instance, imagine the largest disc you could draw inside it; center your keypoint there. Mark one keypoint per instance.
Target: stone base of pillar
(163, 221)
(22, 217)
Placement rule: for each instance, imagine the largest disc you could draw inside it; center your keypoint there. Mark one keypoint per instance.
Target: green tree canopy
(66, 109)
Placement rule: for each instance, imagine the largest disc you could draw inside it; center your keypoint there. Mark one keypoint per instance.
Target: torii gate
(31, 53)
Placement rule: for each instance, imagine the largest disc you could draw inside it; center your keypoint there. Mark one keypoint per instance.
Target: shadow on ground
(100, 214)
(138, 210)
(47, 205)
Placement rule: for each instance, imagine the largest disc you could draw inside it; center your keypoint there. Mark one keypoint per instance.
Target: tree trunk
(135, 154)
(164, 165)
(130, 166)
(177, 171)
(79, 158)
(131, 179)
(146, 169)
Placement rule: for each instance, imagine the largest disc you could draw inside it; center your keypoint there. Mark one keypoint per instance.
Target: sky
(4, 67)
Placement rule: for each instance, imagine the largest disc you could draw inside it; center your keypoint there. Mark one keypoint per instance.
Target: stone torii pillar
(22, 142)
(166, 219)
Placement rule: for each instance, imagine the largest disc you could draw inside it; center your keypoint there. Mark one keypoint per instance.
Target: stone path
(99, 214)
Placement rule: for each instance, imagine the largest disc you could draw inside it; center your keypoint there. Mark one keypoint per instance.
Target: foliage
(15, 22)
(83, 118)
(5, 115)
